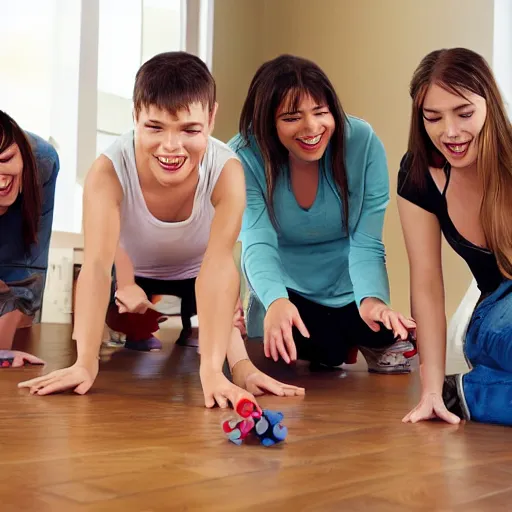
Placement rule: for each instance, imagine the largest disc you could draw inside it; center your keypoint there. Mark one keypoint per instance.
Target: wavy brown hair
(459, 70)
(30, 197)
(289, 78)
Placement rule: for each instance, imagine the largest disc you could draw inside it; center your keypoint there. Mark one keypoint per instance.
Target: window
(502, 49)
(130, 33)
(26, 52)
(68, 68)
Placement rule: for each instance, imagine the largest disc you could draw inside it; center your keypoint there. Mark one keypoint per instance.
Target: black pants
(184, 289)
(333, 332)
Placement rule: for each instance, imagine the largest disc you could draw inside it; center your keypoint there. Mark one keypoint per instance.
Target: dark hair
(459, 70)
(30, 196)
(172, 81)
(289, 78)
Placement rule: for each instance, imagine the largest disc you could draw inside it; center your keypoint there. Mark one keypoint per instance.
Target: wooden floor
(141, 440)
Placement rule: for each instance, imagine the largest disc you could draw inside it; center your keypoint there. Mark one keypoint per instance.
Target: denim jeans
(487, 388)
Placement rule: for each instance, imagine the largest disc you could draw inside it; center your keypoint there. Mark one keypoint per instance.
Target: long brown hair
(30, 196)
(289, 78)
(458, 70)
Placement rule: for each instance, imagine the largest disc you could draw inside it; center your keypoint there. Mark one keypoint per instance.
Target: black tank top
(481, 262)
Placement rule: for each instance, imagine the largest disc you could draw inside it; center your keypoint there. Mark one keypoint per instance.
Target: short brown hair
(172, 81)
(11, 133)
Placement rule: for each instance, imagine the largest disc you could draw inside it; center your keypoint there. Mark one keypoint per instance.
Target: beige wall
(369, 49)
(237, 52)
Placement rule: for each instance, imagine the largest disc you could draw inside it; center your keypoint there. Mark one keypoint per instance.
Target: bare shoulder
(102, 182)
(231, 183)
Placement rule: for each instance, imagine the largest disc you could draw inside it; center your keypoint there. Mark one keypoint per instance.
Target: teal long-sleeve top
(310, 252)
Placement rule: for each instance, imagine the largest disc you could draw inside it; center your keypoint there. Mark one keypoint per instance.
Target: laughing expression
(306, 132)
(11, 167)
(454, 123)
(169, 148)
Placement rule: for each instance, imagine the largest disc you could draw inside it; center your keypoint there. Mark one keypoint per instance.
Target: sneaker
(148, 345)
(393, 359)
(188, 338)
(451, 397)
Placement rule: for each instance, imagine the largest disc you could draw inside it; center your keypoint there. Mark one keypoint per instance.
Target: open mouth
(6, 184)
(458, 150)
(171, 164)
(310, 143)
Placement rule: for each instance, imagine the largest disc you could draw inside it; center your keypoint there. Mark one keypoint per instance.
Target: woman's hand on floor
(18, 358)
(247, 376)
(78, 377)
(132, 299)
(281, 316)
(374, 311)
(431, 406)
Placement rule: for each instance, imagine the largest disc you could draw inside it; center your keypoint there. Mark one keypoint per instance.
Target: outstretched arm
(218, 282)
(102, 199)
(367, 258)
(423, 242)
(218, 288)
(264, 269)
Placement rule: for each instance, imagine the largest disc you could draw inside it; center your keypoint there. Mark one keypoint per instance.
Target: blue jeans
(487, 388)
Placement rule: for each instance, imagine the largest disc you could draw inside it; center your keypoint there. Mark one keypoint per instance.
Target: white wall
(502, 48)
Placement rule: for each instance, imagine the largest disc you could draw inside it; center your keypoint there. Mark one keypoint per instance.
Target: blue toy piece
(269, 429)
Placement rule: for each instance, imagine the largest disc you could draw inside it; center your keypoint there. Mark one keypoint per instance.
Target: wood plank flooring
(141, 441)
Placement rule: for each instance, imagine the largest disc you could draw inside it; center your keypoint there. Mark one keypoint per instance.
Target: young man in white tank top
(165, 202)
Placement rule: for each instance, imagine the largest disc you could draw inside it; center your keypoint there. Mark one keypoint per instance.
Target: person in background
(456, 180)
(29, 167)
(312, 251)
(165, 203)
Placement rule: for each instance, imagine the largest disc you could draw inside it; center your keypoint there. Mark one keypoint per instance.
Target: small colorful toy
(264, 426)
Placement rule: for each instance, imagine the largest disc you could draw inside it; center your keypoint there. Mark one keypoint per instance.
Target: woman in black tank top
(456, 179)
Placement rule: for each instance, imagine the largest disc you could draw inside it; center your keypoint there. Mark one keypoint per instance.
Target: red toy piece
(247, 409)
(237, 430)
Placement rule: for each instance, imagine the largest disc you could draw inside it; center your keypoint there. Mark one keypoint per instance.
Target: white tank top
(165, 250)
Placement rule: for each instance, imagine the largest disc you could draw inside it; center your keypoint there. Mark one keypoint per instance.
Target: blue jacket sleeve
(260, 257)
(367, 258)
(48, 164)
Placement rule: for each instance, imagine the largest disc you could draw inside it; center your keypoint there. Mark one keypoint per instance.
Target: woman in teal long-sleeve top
(318, 287)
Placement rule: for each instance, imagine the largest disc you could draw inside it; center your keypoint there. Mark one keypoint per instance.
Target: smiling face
(454, 123)
(169, 148)
(11, 168)
(306, 131)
